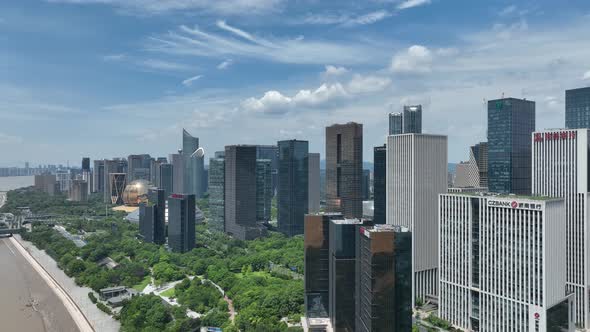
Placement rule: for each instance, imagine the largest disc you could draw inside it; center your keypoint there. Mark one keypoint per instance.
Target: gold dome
(136, 192)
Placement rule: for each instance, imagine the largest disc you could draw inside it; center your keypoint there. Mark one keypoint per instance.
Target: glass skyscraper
(577, 108)
(396, 123)
(379, 181)
(193, 164)
(181, 222)
(344, 169)
(293, 186)
(152, 218)
(263, 189)
(511, 122)
(384, 279)
(413, 119)
(216, 192)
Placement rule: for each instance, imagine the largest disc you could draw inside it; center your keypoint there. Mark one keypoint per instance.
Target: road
(26, 301)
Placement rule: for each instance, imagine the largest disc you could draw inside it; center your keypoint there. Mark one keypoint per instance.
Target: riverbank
(27, 303)
(98, 320)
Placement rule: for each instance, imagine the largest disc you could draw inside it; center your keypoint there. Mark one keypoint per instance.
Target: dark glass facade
(166, 178)
(264, 191)
(152, 217)
(577, 108)
(511, 122)
(557, 317)
(412, 119)
(342, 274)
(317, 262)
(181, 222)
(216, 193)
(85, 164)
(240, 192)
(384, 279)
(344, 169)
(379, 181)
(293, 186)
(270, 152)
(396, 123)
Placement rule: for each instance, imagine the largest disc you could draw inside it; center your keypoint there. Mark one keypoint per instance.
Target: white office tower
(502, 263)
(416, 175)
(560, 169)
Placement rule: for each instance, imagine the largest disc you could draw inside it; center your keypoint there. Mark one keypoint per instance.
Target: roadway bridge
(11, 231)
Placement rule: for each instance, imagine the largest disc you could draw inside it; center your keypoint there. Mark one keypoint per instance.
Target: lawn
(139, 287)
(169, 293)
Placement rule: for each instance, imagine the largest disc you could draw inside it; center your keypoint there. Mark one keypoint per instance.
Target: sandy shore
(27, 303)
(98, 320)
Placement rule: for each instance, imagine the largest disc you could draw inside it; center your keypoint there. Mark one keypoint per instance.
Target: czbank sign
(514, 205)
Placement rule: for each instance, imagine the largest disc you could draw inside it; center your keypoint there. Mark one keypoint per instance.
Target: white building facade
(560, 169)
(502, 264)
(416, 175)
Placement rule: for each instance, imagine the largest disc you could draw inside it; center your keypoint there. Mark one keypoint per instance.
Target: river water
(14, 182)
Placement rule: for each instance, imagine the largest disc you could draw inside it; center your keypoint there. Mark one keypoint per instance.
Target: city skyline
(288, 70)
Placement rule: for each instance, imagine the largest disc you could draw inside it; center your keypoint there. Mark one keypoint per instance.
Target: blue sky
(106, 78)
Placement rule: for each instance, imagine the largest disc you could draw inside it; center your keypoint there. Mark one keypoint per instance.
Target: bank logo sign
(515, 205)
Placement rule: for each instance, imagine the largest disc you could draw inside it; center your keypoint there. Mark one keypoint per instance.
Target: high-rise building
(511, 122)
(478, 165)
(379, 184)
(117, 184)
(181, 222)
(113, 166)
(64, 181)
(139, 167)
(193, 158)
(240, 186)
(396, 123)
(342, 260)
(79, 191)
(165, 178)
(577, 108)
(384, 279)
(293, 199)
(85, 164)
(560, 169)
(461, 178)
(152, 217)
(263, 190)
(366, 184)
(503, 263)
(317, 262)
(46, 183)
(344, 169)
(217, 192)
(313, 179)
(416, 175)
(412, 119)
(98, 176)
(270, 152)
(177, 161)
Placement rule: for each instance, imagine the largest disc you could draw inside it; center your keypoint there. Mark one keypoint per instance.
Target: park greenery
(262, 300)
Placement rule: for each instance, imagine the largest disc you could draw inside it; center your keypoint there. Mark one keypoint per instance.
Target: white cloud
(114, 57)
(225, 64)
(416, 58)
(156, 7)
(368, 84)
(274, 102)
(345, 20)
(326, 96)
(164, 65)
(412, 3)
(241, 33)
(368, 18)
(508, 10)
(586, 75)
(335, 71)
(189, 81)
(197, 42)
